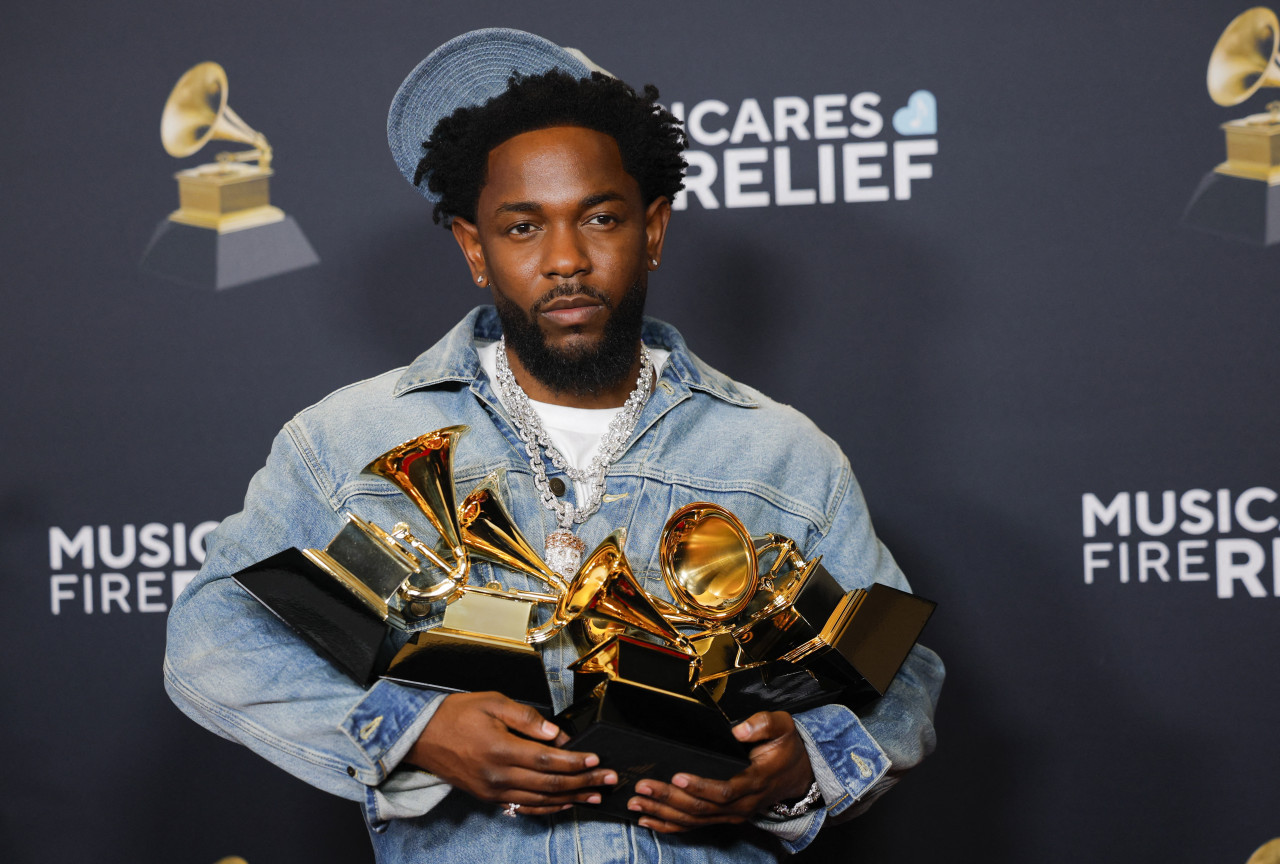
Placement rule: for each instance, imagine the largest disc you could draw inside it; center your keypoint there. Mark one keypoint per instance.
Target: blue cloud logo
(919, 117)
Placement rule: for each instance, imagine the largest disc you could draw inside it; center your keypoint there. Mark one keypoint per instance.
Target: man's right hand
(493, 748)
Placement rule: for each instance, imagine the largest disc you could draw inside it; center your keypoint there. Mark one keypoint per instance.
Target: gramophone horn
(708, 561)
(605, 588)
(490, 534)
(423, 470)
(1245, 59)
(197, 112)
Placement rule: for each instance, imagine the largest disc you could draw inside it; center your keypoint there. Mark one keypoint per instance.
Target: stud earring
(479, 280)
(654, 262)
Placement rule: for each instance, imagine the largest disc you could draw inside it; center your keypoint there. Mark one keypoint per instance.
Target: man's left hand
(779, 771)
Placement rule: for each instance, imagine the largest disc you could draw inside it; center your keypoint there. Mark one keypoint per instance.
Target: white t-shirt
(576, 432)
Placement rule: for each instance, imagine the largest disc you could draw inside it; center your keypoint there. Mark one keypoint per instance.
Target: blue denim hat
(468, 70)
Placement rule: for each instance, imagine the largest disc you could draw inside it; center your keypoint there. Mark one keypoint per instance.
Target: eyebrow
(534, 207)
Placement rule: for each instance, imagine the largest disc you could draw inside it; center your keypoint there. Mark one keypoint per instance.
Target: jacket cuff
(847, 762)
(384, 726)
(794, 834)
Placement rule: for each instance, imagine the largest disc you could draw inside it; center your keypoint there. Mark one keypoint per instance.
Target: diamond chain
(535, 439)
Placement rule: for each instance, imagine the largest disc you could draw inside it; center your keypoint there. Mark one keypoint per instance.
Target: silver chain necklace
(564, 550)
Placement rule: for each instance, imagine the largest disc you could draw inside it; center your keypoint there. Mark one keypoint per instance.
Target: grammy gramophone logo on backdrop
(1240, 198)
(225, 231)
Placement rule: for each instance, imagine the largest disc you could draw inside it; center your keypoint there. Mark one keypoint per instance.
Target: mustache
(568, 289)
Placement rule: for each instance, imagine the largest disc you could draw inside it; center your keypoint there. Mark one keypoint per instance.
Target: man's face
(564, 241)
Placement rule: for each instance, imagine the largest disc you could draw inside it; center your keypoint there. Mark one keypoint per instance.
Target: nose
(565, 253)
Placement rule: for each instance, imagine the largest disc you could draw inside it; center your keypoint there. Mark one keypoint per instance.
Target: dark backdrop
(1031, 337)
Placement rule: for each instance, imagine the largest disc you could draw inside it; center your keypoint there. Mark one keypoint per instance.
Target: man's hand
(491, 747)
(779, 771)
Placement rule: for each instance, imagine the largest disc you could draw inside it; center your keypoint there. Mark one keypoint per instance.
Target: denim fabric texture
(243, 674)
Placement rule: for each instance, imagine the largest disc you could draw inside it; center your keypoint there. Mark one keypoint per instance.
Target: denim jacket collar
(454, 360)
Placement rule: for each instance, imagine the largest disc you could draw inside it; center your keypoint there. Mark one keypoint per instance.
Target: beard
(579, 370)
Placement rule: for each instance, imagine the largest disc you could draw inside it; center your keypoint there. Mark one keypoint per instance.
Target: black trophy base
(1236, 208)
(780, 686)
(203, 258)
(643, 733)
(464, 663)
(853, 665)
(321, 611)
(871, 646)
(630, 659)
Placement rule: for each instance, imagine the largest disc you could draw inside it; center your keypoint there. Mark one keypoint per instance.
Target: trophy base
(464, 663)
(1235, 207)
(326, 615)
(867, 637)
(777, 686)
(631, 659)
(205, 258)
(642, 732)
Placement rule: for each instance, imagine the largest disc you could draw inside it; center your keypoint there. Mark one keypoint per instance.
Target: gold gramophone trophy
(390, 581)
(789, 638)
(1240, 198)
(349, 599)
(639, 706)
(239, 236)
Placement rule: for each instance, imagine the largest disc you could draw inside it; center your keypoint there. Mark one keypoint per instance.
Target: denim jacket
(241, 673)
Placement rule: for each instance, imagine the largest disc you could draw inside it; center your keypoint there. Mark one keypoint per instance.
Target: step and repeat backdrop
(1020, 262)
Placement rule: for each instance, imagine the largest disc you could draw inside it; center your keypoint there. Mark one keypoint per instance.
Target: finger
(523, 753)
(566, 786)
(530, 801)
(764, 726)
(524, 719)
(720, 792)
(668, 803)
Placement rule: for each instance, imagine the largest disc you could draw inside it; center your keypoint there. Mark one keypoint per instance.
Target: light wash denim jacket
(238, 671)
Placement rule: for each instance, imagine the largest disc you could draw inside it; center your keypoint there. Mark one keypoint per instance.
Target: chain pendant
(564, 553)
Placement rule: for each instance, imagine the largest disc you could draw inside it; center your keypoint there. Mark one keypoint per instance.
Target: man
(557, 184)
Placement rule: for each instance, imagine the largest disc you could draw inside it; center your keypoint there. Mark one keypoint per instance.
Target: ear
(655, 230)
(468, 237)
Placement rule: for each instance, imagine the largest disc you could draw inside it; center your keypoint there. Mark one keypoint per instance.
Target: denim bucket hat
(465, 71)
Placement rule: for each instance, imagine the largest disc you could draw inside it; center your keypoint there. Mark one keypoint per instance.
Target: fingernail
(565, 807)
(592, 760)
(550, 729)
(634, 803)
(680, 780)
(741, 730)
(593, 799)
(611, 778)
(643, 789)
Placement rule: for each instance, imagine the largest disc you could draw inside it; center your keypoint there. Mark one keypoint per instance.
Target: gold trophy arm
(510, 593)
(455, 575)
(789, 556)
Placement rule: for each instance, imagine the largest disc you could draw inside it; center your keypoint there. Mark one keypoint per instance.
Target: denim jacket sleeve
(858, 757)
(235, 669)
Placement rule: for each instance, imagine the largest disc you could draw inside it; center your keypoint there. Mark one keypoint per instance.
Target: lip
(572, 311)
